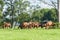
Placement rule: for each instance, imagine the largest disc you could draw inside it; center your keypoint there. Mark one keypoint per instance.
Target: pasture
(30, 34)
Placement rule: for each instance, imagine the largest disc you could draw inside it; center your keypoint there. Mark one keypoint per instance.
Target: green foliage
(1, 4)
(1, 1)
(51, 15)
(54, 16)
(45, 14)
(24, 17)
(1, 19)
(18, 7)
(36, 15)
(22, 5)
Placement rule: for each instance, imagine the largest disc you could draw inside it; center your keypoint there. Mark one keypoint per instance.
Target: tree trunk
(12, 13)
(59, 11)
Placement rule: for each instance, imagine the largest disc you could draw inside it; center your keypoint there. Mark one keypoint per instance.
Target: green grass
(30, 34)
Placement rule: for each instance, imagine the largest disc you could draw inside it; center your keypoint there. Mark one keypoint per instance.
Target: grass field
(30, 34)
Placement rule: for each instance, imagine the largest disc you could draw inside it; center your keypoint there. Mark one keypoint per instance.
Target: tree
(1, 9)
(38, 14)
(15, 8)
(44, 12)
(50, 15)
(1, 5)
(59, 9)
(52, 3)
(21, 7)
(24, 17)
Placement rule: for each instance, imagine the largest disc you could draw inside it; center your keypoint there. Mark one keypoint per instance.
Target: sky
(34, 2)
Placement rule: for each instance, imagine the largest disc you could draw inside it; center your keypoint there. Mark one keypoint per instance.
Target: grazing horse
(30, 25)
(6, 25)
(48, 24)
(42, 24)
(33, 24)
(36, 24)
(24, 25)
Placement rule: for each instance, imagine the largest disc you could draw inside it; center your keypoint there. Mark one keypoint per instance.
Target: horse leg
(47, 27)
(4, 26)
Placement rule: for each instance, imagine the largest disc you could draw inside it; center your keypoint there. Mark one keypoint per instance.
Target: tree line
(17, 11)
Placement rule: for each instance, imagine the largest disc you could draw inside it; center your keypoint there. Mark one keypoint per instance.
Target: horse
(30, 25)
(24, 25)
(36, 24)
(6, 25)
(48, 24)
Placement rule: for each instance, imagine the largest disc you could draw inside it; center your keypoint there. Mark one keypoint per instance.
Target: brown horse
(49, 24)
(36, 24)
(6, 25)
(25, 25)
(30, 25)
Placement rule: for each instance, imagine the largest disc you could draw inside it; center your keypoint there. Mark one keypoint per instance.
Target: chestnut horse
(49, 24)
(6, 25)
(36, 24)
(24, 25)
(29, 25)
